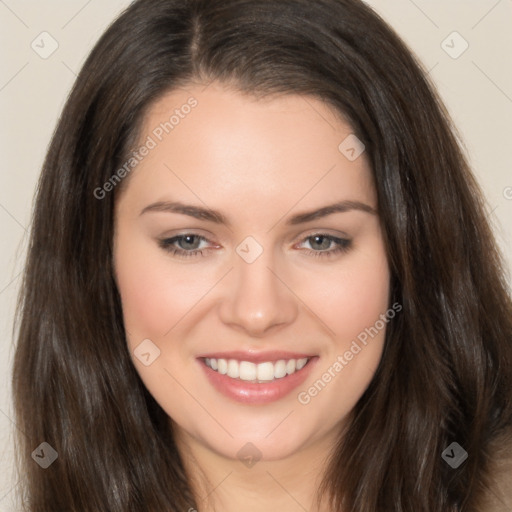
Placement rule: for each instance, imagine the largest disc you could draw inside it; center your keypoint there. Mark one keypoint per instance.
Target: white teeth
(248, 370)
(222, 365)
(233, 370)
(280, 369)
(265, 371)
(301, 363)
(262, 372)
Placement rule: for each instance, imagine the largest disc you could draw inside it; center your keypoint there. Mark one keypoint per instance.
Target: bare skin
(259, 163)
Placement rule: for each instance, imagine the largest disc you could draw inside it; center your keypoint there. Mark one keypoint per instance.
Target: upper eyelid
(175, 238)
(317, 232)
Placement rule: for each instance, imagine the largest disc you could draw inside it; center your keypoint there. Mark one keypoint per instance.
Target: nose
(257, 299)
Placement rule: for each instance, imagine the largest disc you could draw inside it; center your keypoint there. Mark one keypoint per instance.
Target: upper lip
(256, 357)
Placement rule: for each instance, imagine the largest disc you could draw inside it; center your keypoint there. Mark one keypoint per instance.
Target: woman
(260, 276)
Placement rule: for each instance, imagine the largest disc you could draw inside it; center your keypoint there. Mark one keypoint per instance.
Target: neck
(228, 485)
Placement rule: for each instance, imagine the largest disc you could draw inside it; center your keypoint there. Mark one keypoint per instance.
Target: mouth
(248, 371)
(256, 379)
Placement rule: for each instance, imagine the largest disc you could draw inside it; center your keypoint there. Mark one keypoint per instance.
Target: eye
(323, 245)
(189, 244)
(185, 245)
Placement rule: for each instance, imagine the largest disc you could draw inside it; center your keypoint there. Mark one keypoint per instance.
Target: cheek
(352, 306)
(155, 294)
(350, 298)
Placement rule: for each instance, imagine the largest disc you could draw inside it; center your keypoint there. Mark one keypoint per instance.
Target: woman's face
(247, 241)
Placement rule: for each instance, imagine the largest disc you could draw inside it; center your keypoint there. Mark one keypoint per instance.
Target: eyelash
(343, 245)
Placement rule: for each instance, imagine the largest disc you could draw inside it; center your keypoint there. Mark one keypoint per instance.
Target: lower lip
(254, 393)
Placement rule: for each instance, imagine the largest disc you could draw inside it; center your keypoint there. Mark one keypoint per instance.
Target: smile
(267, 378)
(253, 372)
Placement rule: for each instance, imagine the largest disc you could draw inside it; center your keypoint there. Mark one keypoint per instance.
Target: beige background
(476, 86)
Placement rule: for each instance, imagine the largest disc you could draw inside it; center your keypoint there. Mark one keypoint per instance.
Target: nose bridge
(256, 300)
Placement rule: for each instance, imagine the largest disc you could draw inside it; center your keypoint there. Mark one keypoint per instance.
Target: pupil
(189, 240)
(319, 239)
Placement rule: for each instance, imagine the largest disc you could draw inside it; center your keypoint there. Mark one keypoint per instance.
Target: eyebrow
(208, 214)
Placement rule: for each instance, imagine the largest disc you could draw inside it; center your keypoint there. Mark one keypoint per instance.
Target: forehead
(218, 143)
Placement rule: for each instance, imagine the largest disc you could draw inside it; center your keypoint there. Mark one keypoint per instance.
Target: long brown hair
(446, 371)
